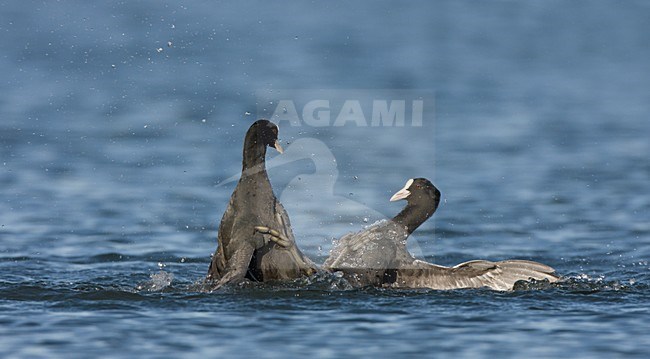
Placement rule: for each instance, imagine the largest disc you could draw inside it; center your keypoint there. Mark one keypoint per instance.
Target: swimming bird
(244, 251)
(378, 255)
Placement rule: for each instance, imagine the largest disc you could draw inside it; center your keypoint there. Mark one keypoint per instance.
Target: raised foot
(275, 236)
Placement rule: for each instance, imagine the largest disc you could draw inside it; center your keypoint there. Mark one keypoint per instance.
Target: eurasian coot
(378, 255)
(243, 251)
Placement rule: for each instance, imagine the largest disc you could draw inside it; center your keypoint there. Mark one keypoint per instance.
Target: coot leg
(275, 236)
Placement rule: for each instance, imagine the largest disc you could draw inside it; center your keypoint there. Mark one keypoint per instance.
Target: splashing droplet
(157, 282)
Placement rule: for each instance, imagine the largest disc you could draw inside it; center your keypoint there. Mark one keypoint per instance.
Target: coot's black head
(418, 191)
(423, 199)
(267, 134)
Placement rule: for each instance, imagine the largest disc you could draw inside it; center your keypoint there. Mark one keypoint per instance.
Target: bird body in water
(255, 239)
(378, 255)
(244, 251)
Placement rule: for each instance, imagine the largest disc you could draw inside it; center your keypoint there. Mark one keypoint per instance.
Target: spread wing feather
(373, 248)
(237, 265)
(473, 274)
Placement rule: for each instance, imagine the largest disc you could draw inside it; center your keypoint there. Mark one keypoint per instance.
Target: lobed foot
(275, 236)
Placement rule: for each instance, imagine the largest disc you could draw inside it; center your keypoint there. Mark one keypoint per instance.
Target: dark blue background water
(114, 145)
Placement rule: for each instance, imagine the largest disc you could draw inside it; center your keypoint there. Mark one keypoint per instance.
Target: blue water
(121, 121)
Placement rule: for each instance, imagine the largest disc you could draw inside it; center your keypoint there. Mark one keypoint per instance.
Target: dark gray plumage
(243, 250)
(378, 255)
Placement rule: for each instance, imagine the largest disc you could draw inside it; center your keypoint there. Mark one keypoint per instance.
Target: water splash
(158, 282)
(586, 283)
(324, 280)
(580, 283)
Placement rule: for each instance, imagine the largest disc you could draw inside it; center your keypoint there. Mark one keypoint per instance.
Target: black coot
(244, 249)
(378, 255)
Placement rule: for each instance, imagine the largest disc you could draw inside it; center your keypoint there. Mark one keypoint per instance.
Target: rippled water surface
(120, 124)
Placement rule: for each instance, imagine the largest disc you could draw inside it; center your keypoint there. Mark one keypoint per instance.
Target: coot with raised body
(245, 250)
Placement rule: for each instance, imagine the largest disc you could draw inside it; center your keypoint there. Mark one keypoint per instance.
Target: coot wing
(237, 265)
(290, 259)
(473, 274)
(226, 225)
(218, 263)
(373, 248)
